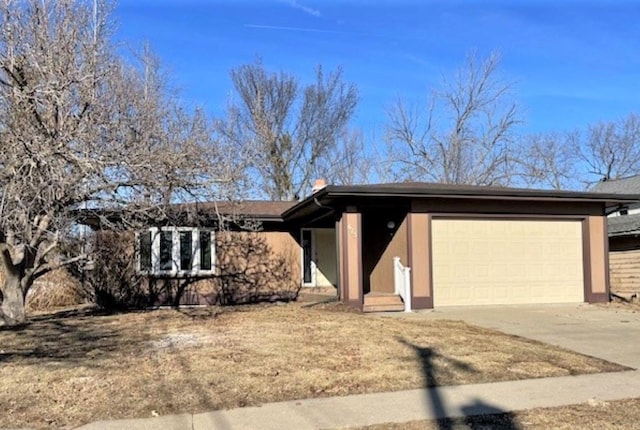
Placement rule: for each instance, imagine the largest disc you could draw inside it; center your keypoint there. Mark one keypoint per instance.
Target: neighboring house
(464, 245)
(624, 236)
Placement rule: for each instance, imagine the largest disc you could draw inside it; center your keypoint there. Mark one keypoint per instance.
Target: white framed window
(176, 251)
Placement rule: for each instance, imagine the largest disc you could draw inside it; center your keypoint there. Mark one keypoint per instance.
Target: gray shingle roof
(629, 185)
(623, 225)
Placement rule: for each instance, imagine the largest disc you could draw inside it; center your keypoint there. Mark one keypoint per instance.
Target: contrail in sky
(281, 28)
(305, 9)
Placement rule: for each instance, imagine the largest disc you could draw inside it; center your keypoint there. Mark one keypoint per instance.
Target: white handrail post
(396, 281)
(402, 282)
(407, 289)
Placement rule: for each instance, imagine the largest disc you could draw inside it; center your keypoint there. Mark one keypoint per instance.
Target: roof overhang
(206, 213)
(333, 197)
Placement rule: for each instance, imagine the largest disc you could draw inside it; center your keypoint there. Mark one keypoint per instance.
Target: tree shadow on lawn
(75, 337)
(477, 415)
(98, 340)
(80, 335)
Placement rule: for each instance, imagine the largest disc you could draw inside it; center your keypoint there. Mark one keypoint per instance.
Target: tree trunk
(12, 306)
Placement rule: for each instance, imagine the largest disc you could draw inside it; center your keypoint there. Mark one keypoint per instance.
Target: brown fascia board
(320, 198)
(494, 193)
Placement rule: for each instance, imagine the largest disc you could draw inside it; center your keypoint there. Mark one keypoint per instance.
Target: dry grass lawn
(621, 414)
(65, 370)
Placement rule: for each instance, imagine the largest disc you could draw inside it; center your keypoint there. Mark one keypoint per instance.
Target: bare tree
(548, 160)
(79, 128)
(464, 133)
(351, 162)
(611, 150)
(289, 131)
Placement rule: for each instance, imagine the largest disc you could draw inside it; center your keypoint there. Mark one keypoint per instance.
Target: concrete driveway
(609, 333)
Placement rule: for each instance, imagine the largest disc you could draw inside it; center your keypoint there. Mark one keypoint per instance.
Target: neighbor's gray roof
(629, 185)
(623, 225)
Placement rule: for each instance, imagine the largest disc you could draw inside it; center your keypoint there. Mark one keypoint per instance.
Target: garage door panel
(506, 261)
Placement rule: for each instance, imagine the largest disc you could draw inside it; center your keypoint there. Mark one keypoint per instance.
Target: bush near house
(57, 289)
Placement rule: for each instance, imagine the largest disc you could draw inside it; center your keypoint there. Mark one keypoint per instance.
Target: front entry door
(308, 260)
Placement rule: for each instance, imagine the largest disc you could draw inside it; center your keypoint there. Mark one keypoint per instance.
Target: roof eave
(332, 191)
(482, 193)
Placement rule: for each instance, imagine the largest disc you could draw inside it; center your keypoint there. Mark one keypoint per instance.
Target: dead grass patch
(595, 415)
(73, 368)
(617, 305)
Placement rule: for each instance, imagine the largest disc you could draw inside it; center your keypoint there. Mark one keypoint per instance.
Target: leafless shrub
(57, 289)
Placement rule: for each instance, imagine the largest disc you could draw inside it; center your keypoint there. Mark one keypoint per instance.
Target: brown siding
(624, 270)
(420, 259)
(381, 278)
(284, 244)
(253, 267)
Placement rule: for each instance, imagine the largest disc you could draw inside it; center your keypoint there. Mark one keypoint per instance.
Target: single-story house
(413, 245)
(624, 236)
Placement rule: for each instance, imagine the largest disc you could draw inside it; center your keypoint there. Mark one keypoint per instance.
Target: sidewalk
(401, 406)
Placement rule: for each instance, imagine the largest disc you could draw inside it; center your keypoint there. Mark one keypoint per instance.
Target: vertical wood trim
(586, 259)
(353, 239)
(607, 268)
(420, 260)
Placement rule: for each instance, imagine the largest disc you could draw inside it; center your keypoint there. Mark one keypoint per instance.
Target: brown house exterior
(464, 245)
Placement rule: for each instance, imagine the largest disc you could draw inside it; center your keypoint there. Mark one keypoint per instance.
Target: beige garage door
(485, 262)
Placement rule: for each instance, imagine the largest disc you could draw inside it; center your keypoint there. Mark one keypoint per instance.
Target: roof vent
(319, 184)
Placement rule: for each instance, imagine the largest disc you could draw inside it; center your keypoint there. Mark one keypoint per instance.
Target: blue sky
(573, 62)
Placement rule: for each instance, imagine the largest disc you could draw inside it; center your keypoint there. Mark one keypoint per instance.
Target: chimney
(320, 184)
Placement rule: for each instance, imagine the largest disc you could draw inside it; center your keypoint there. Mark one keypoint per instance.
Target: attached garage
(430, 245)
(489, 262)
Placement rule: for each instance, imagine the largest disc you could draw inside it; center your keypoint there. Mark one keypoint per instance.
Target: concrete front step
(382, 302)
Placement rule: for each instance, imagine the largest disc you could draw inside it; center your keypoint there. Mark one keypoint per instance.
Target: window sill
(179, 275)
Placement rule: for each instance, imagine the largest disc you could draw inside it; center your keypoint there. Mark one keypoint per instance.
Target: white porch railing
(402, 282)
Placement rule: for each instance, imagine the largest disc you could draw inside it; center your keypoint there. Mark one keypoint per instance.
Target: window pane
(186, 250)
(144, 247)
(205, 250)
(306, 256)
(166, 250)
